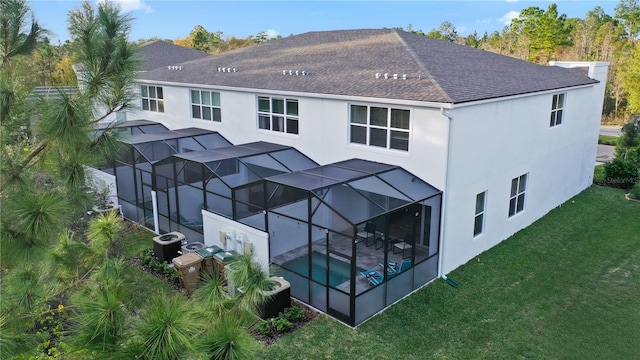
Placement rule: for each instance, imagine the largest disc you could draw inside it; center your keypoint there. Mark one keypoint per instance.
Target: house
(440, 151)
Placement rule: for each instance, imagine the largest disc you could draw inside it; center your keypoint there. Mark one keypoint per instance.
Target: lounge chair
(374, 276)
(394, 268)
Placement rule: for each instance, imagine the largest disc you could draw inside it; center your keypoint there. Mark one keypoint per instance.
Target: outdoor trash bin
(207, 258)
(220, 260)
(188, 268)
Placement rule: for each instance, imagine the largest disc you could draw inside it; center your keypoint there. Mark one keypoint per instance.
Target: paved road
(605, 153)
(610, 130)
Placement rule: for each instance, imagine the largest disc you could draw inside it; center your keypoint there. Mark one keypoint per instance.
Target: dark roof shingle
(345, 62)
(155, 54)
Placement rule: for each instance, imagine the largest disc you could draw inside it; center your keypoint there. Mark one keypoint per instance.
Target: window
(205, 105)
(516, 200)
(278, 114)
(380, 126)
(152, 98)
(557, 106)
(478, 223)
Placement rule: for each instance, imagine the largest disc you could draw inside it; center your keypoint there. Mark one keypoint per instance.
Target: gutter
(443, 228)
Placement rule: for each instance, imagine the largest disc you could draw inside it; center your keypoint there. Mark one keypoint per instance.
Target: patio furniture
(394, 268)
(374, 276)
(402, 246)
(369, 232)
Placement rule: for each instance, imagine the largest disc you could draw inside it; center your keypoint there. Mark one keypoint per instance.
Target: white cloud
(272, 33)
(132, 5)
(484, 21)
(506, 19)
(511, 1)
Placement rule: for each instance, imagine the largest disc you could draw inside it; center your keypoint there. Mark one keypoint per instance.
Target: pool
(339, 271)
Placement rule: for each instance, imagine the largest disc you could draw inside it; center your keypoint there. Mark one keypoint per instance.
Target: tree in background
(628, 12)
(541, 32)
(446, 31)
(631, 79)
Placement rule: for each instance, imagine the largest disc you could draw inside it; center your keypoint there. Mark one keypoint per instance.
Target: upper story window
(557, 106)
(481, 206)
(205, 105)
(380, 126)
(152, 98)
(516, 199)
(278, 114)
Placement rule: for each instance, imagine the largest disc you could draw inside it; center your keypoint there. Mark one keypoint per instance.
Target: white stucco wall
(323, 129)
(493, 143)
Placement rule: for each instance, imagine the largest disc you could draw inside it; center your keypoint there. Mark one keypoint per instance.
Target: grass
(566, 288)
(608, 140)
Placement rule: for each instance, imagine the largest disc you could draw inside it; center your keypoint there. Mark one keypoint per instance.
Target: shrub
(621, 173)
(635, 191)
(294, 314)
(149, 261)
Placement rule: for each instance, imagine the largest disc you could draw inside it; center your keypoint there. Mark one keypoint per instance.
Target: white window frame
(279, 122)
(154, 95)
(211, 106)
(480, 213)
(517, 195)
(557, 109)
(369, 128)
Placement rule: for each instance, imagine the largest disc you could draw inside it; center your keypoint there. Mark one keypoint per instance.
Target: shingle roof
(345, 62)
(155, 54)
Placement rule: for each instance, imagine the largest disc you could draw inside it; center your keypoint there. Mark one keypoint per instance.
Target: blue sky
(175, 19)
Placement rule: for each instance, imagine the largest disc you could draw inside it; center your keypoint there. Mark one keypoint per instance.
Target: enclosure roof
(359, 178)
(128, 123)
(167, 135)
(229, 152)
(259, 159)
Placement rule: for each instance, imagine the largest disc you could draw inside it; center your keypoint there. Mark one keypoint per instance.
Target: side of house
(509, 164)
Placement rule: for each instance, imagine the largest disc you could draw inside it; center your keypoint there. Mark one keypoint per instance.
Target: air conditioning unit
(168, 246)
(192, 247)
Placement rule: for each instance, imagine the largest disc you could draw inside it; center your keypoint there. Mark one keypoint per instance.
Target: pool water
(338, 270)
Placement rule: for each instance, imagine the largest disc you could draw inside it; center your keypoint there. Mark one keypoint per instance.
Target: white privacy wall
(239, 236)
(495, 142)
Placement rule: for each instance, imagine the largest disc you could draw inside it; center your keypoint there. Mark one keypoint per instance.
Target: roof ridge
(415, 57)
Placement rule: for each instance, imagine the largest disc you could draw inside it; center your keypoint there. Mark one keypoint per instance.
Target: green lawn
(567, 287)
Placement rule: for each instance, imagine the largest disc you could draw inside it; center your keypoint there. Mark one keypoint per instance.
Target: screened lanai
(133, 166)
(227, 181)
(123, 130)
(353, 237)
(133, 127)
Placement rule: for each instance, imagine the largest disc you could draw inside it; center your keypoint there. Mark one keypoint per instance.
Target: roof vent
(386, 76)
(295, 72)
(404, 76)
(224, 69)
(395, 76)
(174, 67)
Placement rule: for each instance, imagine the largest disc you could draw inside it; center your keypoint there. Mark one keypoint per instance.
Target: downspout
(443, 228)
